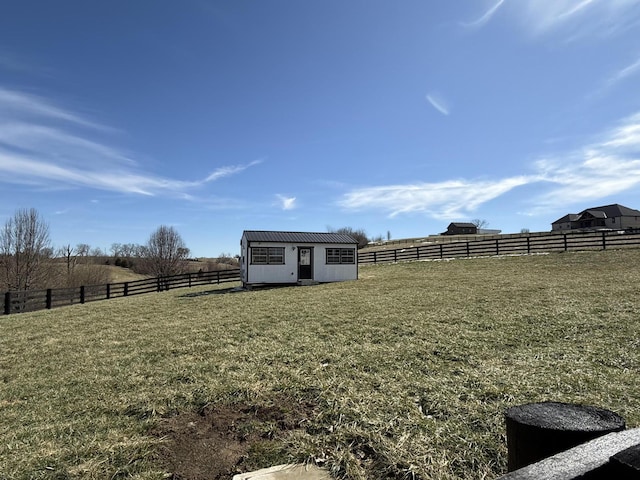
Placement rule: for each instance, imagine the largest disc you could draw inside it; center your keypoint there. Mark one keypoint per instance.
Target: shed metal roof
(297, 237)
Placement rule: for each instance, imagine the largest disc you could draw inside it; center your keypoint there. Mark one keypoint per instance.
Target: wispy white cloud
(585, 182)
(438, 102)
(606, 167)
(230, 170)
(25, 170)
(624, 73)
(576, 18)
(485, 17)
(625, 136)
(444, 200)
(22, 169)
(45, 145)
(286, 203)
(572, 19)
(602, 168)
(18, 105)
(66, 146)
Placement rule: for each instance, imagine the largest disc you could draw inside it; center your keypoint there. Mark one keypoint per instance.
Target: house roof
(593, 213)
(297, 237)
(614, 210)
(606, 211)
(569, 217)
(462, 224)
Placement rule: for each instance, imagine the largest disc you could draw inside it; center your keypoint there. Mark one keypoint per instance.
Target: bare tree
(165, 252)
(358, 235)
(24, 248)
(227, 258)
(96, 255)
(129, 250)
(83, 249)
(70, 256)
(116, 249)
(480, 223)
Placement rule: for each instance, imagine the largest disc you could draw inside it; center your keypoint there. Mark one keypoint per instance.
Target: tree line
(29, 261)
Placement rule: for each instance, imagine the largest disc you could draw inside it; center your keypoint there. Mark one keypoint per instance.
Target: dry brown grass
(119, 274)
(411, 366)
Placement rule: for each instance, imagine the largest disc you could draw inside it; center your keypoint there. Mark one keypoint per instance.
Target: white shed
(297, 257)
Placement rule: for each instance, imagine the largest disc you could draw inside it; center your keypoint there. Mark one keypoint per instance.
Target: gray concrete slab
(579, 461)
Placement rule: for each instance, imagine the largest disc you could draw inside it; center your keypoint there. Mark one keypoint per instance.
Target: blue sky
(215, 117)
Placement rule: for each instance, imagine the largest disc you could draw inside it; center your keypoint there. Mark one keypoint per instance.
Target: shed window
(337, 256)
(267, 255)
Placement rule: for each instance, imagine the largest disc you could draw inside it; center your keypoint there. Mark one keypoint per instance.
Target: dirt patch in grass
(223, 440)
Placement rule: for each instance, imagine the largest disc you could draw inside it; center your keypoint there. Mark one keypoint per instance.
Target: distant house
(270, 257)
(616, 217)
(461, 228)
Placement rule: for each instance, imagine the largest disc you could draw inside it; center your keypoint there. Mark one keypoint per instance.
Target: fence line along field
(513, 244)
(445, 247)
(31, 300)
(404, 373)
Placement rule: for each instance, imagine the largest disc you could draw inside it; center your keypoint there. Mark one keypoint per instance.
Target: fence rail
(28, 301)
(524, 244)
(32, 300)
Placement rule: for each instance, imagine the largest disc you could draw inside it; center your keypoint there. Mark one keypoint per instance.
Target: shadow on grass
(225, 291)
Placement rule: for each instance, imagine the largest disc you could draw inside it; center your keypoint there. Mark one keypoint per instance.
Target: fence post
(189, 279)
(108, 291)
(82, 294)
(218, 277)
(497, 247)
(528, 245)
(604, 241)
(565, 242)
(468, 254)
(7, 303)
(158, 284)
(418, 253)
(126, 288)
(48, 299)
(440, 251)
(395, 256)
(375, 258)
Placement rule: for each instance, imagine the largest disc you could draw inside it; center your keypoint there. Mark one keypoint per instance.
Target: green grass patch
(409, 368)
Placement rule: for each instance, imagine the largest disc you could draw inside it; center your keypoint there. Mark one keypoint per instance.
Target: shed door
(305, 263)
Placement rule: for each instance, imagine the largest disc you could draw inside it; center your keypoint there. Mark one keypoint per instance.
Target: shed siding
(288, 273)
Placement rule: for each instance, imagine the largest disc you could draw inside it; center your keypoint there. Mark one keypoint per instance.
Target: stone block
(286, 472)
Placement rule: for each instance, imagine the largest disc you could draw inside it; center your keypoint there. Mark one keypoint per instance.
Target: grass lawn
(409, 369)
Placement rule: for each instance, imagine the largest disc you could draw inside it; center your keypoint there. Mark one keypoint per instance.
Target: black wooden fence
(506, 245)
(29, 301)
